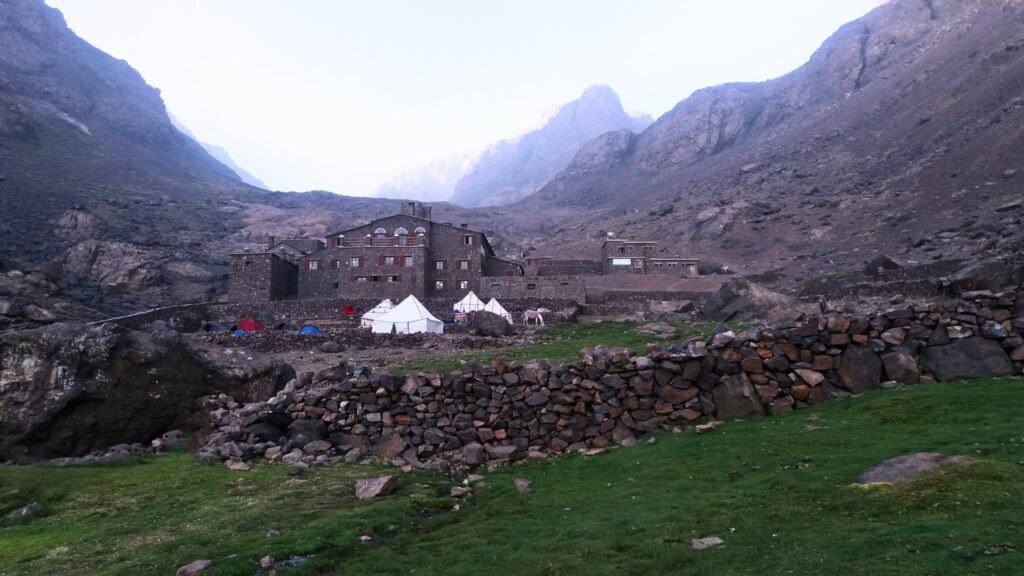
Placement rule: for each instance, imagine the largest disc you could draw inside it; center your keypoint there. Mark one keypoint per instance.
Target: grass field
(777, 490)
(561, 343)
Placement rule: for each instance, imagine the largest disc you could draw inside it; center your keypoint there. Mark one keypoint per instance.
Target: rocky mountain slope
(901, 135)
(434, 182)
(103, 201)
(515, 168)
(512, 169)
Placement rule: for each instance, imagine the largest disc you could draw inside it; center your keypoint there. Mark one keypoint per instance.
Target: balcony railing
(385, 241)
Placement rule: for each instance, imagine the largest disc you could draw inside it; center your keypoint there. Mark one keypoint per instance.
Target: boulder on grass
(374, 487)
(903, 468)
(489, 324)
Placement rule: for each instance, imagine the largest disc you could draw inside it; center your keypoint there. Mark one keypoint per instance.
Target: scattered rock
(193, 568)
(523, 485)
(330, 347)
(24, 512)
(267, 562)
(237, 465)
(702, 428)
(374, 487)
(903, 468)
(707, 542)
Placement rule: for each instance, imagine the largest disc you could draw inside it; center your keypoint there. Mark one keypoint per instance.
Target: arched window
(420, 230)
(380, 232)
(401, 232)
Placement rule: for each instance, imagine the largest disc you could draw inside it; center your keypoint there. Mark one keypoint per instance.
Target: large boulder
(735, 397)
(966, 358)
(69, 389)
(489, 324)
(741, 299)
(860, 369)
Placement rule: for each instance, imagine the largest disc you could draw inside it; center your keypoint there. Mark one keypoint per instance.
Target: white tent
(377, 311)
(409, 317)
(495, 307)
(469, 304)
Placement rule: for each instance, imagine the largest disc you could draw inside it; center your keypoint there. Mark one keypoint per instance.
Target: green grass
(777, 490)
(560, 343)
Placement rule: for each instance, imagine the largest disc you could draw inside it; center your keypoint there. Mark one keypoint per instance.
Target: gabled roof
(409, 310)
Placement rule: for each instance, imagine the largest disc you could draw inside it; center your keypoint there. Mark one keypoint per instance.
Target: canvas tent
(379, 310)
(495, 307)
(409, 317)
(471, 303)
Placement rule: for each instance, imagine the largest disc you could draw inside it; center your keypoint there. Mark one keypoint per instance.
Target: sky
(342, 95)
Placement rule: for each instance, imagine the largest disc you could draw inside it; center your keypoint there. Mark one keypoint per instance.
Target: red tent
(250, 325)
(349, 310)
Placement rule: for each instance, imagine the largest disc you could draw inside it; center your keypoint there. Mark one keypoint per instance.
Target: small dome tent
(409, 317)
(471, 303)
(495, 307)
(379, 310)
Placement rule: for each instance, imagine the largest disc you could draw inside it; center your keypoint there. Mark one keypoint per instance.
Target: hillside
(901, 135)
(104, 201)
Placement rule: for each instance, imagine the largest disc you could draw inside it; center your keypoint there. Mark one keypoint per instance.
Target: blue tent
(239, 332)
(310, 330)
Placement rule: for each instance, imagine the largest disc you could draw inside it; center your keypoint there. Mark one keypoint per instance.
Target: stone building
(391, 257)
(638, 257)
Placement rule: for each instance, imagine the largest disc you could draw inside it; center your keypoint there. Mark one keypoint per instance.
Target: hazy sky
(342, 95)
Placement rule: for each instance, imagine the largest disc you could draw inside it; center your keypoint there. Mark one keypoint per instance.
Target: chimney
(271, 242)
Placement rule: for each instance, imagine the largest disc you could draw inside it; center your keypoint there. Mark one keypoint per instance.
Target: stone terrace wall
(502, 412)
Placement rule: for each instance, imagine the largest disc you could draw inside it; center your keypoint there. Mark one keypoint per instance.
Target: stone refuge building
(391, 257)
(617, 257)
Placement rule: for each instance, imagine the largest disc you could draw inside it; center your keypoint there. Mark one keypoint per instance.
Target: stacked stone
(497, 413)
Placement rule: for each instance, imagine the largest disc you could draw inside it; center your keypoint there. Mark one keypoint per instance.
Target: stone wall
(506, 411)
(532, 287)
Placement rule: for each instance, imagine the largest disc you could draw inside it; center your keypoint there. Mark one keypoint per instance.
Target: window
(314, 265)
(362, 278)
(420, 230)
(467, 239)
(380, 232)
(394, 278)
(335, 264)
(355, 262)
(339, 241)
(389, 260)
(638, 263)
(463, 284)
(463, 264)
(335, 285)
(622, 250)
(531, 286)
(439, 264)
(401, 232)
(439, 285)
(407, 260)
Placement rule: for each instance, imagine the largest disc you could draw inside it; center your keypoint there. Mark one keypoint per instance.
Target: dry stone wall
(507, 411)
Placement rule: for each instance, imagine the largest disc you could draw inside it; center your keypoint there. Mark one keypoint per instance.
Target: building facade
(638, 257)
(390, 257)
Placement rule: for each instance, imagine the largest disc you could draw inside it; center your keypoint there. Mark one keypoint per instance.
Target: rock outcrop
(69, 389)
(741, 299)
